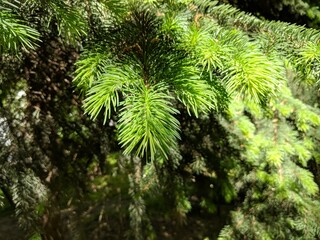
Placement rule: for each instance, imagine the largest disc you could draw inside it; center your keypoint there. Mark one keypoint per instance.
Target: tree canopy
(159, 119)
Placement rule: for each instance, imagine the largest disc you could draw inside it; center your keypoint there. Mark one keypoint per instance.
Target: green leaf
(252, 76)
(301, 179)
(105, 93)
(89, 68)
(274, 156)
(14, 33)
(194, 92)
(71, 23)
(307, 62)
(147, 125)
(304, 155)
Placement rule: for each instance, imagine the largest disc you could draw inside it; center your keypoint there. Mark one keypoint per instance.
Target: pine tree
(198, 91)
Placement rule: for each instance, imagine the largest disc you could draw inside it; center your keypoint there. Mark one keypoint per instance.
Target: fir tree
(199, 92)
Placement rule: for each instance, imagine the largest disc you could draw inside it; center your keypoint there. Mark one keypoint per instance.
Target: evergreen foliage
(299, 11)
(194, 105)
(15, 33)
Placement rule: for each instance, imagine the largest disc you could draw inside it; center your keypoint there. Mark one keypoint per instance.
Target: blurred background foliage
(303, 12)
